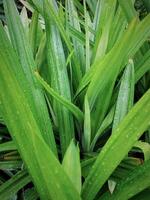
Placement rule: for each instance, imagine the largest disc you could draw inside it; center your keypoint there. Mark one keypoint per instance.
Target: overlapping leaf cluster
(74, 101)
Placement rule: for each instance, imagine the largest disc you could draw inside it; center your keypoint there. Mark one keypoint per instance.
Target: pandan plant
(74, 101)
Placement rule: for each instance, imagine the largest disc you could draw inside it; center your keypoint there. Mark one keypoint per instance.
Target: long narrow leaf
(100, 89)
(125, 96)
(33, 32)
(25, 70)
(107, 10)
(87, 126)
(59, 78)
(47, 173)
(71, 165)
(74, 22)
(106, 163)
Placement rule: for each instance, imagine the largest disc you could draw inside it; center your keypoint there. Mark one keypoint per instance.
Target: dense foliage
(75, 100)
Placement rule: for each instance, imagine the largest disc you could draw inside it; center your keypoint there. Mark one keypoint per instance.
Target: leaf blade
(125, 130)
